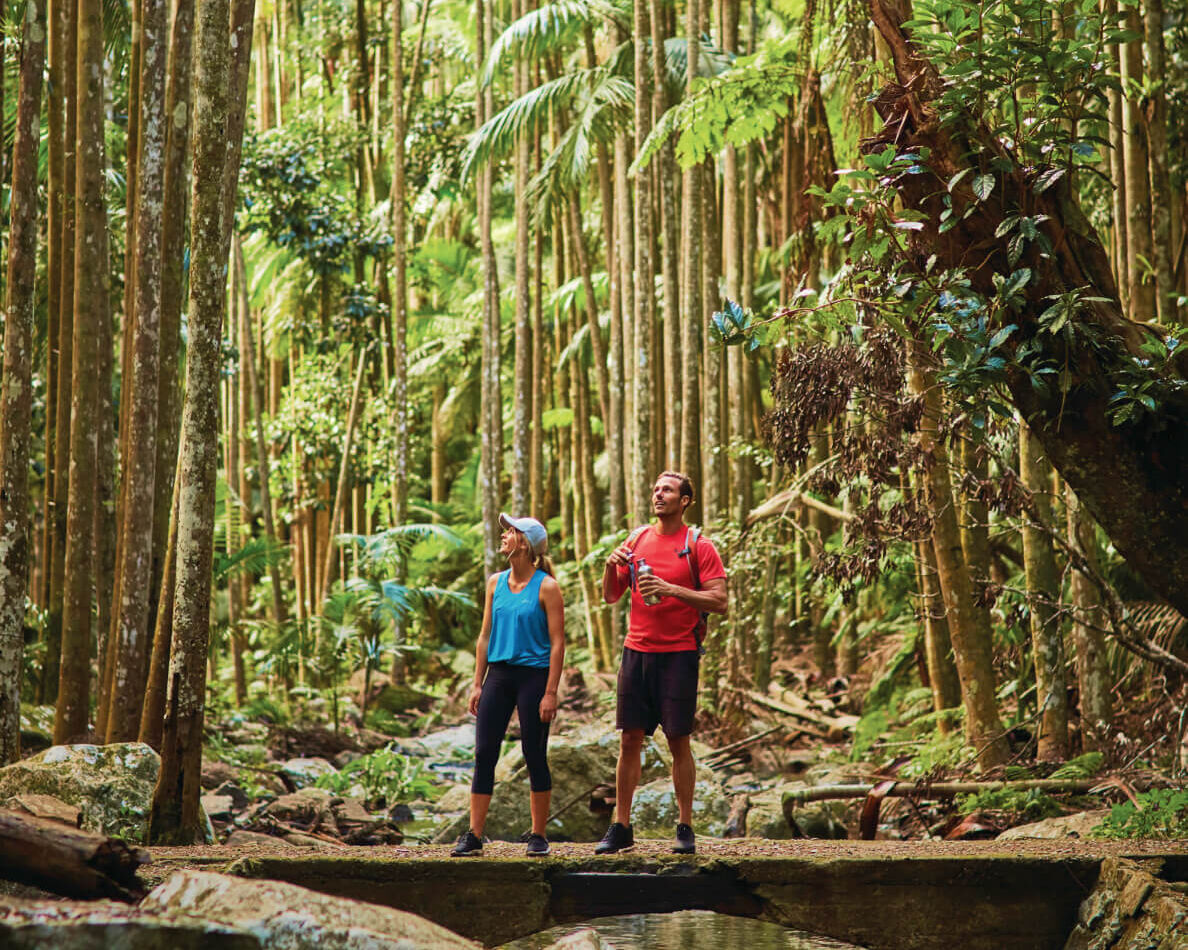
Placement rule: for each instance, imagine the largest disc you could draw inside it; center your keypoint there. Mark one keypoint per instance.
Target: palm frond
(255, 557)
(552, 28)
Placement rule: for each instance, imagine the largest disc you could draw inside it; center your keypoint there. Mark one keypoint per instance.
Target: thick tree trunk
(1133, 478)
(16, 395)
(1043, 594)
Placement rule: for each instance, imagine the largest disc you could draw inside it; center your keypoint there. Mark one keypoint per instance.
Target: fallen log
(833, 728)
(68, 861)
(822, 793)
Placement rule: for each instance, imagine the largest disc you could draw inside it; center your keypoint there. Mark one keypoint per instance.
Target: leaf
(983, 185)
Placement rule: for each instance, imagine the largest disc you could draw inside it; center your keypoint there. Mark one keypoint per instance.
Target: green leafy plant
(1031, 804)
(1158, 813)
(385, 774)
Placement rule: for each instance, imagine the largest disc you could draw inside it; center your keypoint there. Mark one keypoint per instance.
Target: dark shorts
(658, 689)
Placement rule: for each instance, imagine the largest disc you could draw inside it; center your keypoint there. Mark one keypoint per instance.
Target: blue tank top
(519, 625)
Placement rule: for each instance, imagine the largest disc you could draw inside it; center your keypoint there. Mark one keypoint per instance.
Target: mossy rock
(654, 809)
(765, 817)
(37, 727)
(112, 785)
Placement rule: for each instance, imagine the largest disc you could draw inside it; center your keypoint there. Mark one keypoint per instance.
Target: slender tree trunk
(691, 290)
(714, 437)
(66, 318)
(263, 460)
(491, 463)
(1156, 129)
(16, 393)
(973, 654)
(1043, 592)
(938, 647)
(1093, 672)
(175, 217)
(1138, 187)
(643, 472)
(1117, 135)
(132, 643)
(521, 390)
(90, 309)
(152, 716)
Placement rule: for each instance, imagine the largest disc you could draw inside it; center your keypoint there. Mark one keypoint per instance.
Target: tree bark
(1139, 251)
(691, 292)
(1161, 192)
(1043, 594)
(90, 309)
(132, 643)
(1093, 673)
(643, 470)
(16, 394)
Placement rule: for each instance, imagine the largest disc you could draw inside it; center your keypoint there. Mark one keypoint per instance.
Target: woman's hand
(475, 694)
(548, 707)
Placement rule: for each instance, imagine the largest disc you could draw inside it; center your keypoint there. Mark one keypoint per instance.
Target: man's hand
(475, 694)
(619, 557)
(650, 584)
(548, 707)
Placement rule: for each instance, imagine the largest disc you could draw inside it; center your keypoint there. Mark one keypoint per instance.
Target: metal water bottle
(642, 567)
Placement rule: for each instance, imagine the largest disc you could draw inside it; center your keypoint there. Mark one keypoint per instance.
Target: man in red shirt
(661, 656)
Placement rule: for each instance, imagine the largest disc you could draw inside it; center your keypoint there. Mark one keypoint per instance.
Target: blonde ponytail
(545, 563)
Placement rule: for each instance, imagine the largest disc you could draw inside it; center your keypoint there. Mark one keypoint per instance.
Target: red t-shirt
(669, 625)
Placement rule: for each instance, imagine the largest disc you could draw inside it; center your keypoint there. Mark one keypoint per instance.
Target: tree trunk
(643, 471)
(1093, 673)
(1117, 134)
(691, 291)
(16, 394)
(521, 389)
(1043, 594)
(90, 309)
(132, 643)
(1139, 252)
(174, 816)
(973, 653)
(1161, 192)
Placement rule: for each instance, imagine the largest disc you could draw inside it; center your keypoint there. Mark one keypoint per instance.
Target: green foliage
(1030, 804)
(1083, 766)
(384, 775)
(1158, 813)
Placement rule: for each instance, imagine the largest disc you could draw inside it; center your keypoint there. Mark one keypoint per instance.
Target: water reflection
(685, 930)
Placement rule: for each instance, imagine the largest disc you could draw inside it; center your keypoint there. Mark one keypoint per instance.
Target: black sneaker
(618, 837)
(469, 845)
(685, 841)
(538, 846)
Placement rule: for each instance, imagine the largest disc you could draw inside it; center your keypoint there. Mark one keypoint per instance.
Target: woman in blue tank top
(518, 660)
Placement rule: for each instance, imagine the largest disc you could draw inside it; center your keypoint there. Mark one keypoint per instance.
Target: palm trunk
(132, 646)
(1138, 187)
(90, 309)
(972, 652)
(1161, 192)
(1043, 593)
(1093, 673)
(643, 470)
(521, 389)
(16, 394)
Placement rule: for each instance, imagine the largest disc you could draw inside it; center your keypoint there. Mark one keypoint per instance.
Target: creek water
(685, 930)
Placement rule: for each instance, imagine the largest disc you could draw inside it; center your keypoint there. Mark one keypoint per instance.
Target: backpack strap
(692, 534)
(631, 542)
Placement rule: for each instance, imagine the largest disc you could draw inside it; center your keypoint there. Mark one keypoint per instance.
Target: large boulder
(288, 917)
(580, 762)
(99, 925)
(37, 727)
(654, 809)
(112, 785)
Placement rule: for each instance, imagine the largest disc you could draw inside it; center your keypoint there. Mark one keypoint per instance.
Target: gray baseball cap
(532, 529)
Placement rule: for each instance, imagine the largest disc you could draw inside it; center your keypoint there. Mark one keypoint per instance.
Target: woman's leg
(534, 738)
(494, 713)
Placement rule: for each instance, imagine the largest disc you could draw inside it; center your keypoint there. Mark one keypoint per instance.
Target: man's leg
(684, 776)
(627, 773)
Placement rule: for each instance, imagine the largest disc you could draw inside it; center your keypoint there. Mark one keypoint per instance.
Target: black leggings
(508, 687)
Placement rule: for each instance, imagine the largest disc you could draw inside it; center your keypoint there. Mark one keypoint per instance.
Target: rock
(298, 840)
(287, 917)
(112, 785)
(46, 806)
(239, 798)
(765, 819)
(397, 699)
(812, 820)
(215, 773)
(579, 762)
(308, 807)
(306, 771)
(251, 839)
(654, 809)
(584, 939)
(217, 807)
(1066, 826)
(69, 925)
(455, 743)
